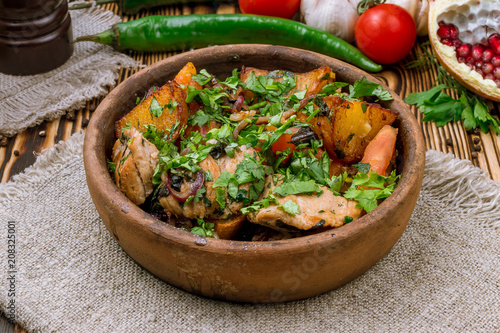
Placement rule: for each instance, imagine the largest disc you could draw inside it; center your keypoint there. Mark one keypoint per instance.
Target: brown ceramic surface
(35, 36)
(249, 271)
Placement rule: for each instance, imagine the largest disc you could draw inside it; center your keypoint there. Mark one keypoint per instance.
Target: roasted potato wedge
(227, 229)
(322, 122)
(314, 80)
(355, 124)
(185, 76)
(346, 127)
(141, 114)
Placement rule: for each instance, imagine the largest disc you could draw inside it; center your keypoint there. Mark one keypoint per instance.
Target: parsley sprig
(441, 108)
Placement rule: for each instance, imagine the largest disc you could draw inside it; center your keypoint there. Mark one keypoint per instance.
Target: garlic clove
(459, 31)
(419, 10)
(337, 17)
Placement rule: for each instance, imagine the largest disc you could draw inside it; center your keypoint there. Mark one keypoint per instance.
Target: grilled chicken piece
(209, 207)
(229, 164)
(327, 210)
(135, 161)
(202, 208)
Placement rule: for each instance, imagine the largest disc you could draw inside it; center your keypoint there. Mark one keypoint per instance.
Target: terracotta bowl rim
(95, 166)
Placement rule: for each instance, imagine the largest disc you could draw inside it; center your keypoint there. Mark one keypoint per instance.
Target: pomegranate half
(465, 35)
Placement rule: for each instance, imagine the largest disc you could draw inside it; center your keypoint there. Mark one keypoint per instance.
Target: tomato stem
(364, 5)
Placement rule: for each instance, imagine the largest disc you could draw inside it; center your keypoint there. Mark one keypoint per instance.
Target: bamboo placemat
(481, 149)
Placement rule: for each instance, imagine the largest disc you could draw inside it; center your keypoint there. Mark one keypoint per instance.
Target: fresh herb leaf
(205, 229)
(367, 189)
(171, 105)
(290, 207)
(203, 77)
(111, 166)
(362, 167)
(365, 88)
(336, 183)
(220, 197)
(297, 187)
(155, 109)
(333, 87)
(257, 205)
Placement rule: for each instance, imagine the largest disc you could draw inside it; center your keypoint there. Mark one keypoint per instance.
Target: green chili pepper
(170, 33)
(134, 6)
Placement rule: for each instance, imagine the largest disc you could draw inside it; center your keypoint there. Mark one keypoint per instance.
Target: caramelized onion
(242, 125)
(238, 104)
(193, 187)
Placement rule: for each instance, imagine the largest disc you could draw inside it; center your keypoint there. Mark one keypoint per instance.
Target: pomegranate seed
(461, 60)
(477, 51)
(495, 61)
(479, 71)
(456, 43)
(470, 60)
(443, 31)
(487, 68)
(453, 31)
(446, 41)
(487, 55)
(489, 77)
(494, 43)
(498, 83)
(496, 72)
(478, 65)
(464, 50)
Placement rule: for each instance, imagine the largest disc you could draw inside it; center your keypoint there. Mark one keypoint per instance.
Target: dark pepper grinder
(35, 36)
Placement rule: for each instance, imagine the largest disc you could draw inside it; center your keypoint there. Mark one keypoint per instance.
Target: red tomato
(385, 33)
(278, 8)
(284, 142)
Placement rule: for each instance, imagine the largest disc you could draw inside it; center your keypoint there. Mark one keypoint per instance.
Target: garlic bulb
(419, 10)
(339, 17)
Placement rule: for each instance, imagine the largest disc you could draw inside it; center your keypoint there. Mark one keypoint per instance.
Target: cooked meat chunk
(200, 209)
(327, 210)
(208, 207)
(135, 160)
(229, 164)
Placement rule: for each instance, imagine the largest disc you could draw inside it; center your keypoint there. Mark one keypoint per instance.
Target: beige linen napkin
(27, 101)
(443, 275)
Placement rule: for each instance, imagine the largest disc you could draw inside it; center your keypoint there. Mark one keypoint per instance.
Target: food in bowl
(261, 155)
(271, 271)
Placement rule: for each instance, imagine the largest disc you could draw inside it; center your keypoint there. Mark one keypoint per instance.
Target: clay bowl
(274, 271)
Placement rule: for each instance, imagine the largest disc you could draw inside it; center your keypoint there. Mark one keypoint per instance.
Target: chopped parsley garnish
(111, 166)
(297, 187)
(367, 189)
(155, 109)
(290, 207)
(205, 229)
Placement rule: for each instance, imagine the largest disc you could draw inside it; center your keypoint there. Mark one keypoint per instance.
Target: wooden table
(483, 150)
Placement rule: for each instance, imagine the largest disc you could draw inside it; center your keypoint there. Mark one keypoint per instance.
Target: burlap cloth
(29, 100)
(443, 275)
